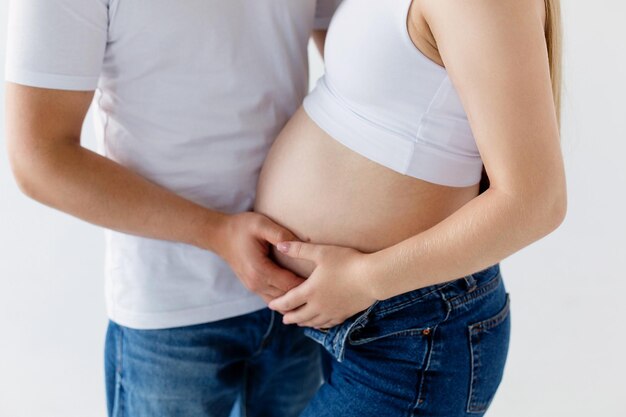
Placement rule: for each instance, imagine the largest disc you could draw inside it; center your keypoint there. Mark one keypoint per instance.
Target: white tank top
(384, 99)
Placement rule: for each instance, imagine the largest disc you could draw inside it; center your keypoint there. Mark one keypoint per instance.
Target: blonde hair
(554, 42)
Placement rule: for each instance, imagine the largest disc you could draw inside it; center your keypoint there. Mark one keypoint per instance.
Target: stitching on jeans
(448, 306)
(243, 407)
(407, 332)
(395, 307)
(431, 348)
(118, 406)
(420, 390)
(339, 345)
(474, 330)
(492, 322)
(118, 364)
(478, 292)
(469, 407)
(266, 335)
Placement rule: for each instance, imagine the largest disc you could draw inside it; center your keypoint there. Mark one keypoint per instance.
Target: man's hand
(245, 242)
(51, 166)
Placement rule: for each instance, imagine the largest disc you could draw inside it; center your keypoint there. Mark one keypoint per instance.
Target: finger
(275, 233)
(301, 250)
(281, 278)
(327, 324)
(301, 315)
(291, 300)
(266, 298)
(272, 292)
(317, 322)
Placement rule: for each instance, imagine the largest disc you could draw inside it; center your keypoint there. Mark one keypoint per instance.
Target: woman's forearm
(484, 231)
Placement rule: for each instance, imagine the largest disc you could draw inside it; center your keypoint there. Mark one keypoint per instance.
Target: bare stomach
(326, 193)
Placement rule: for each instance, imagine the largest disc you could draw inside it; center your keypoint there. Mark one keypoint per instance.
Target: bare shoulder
(434, 11)
(422, 35)
(496, 56)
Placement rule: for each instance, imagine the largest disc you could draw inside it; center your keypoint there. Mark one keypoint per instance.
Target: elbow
(24, 179)
(25, 173)
(553, 212)
(539, 212)
(559, 212)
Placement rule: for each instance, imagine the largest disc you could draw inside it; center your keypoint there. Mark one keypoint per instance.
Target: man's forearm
(91, 187)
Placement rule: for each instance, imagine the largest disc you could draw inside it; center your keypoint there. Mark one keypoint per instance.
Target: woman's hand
(337, 289)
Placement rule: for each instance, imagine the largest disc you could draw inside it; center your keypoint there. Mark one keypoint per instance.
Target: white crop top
(384, 99)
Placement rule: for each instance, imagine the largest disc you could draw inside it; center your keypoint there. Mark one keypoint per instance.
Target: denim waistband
(466, 284)
(456, 292)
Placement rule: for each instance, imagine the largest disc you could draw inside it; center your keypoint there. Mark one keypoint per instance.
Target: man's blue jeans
(201, 370)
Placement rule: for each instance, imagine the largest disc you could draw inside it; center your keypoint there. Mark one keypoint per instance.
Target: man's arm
(51, 166)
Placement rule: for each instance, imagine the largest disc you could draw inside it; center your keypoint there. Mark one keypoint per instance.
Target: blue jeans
(201, 370)
(436, 351)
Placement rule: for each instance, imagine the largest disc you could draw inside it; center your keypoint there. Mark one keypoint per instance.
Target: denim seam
(394, 308)
(118, 362)
(412, 331)
(339, 345)
(118, 406)
(420, 390)
(478, 292)
(431, 348)
(474, 329)
(406, 332)
(244, 391)
(492, 322)
(470, 408)
(266, 336)
(448, 306)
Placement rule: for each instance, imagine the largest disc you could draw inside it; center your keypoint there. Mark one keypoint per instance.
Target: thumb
(300, 250)
(274, 233)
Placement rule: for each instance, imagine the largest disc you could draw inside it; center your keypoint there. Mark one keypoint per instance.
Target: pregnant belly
(326, 193)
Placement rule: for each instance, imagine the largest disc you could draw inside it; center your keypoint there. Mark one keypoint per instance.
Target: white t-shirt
(189, 94)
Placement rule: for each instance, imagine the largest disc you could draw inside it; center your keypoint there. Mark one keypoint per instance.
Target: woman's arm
(495, 54)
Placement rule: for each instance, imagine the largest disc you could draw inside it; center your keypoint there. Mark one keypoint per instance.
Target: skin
(51, 166)
(495, 54)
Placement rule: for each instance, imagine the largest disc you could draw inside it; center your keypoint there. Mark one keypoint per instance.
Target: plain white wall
(566, 356)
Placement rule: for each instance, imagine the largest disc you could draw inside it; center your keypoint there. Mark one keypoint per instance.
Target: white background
(567, 291)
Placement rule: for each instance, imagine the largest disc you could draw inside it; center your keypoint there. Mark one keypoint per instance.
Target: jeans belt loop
(470, 282)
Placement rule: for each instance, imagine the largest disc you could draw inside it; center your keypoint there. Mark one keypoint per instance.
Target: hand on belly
(327, 194)
(322, 300)
(301, 267)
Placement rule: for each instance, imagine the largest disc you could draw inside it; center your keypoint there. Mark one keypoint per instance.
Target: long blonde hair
(554, 41)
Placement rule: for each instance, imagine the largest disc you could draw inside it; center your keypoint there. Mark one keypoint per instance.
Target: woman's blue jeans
(436, 351)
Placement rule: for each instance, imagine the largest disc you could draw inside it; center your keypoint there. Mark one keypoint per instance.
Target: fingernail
(283, 247)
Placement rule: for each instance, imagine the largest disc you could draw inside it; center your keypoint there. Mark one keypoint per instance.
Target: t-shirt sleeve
(324, 12)
(57, 44)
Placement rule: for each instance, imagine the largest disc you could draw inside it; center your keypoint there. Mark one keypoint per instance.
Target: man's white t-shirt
(190, 94)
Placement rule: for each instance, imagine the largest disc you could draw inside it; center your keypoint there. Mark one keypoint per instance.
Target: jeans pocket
(489, 343)
(334, 339)
(406, 319)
